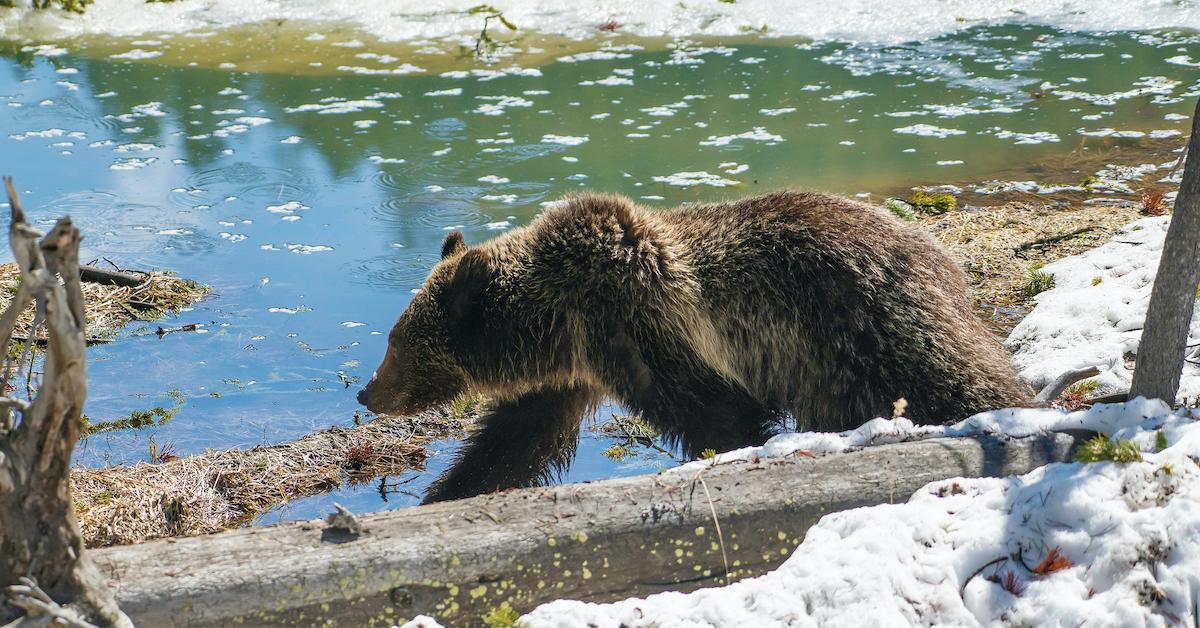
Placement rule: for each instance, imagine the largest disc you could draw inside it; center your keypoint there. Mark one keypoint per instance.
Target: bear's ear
(454, 243)
(462, 296)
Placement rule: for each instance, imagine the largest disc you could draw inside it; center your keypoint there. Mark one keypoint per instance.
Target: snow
(1129, 533)
(1094, 314)
(890, 21)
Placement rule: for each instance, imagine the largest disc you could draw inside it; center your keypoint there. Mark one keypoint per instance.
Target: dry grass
(1000, 246)
(219, 490)
(111, 307)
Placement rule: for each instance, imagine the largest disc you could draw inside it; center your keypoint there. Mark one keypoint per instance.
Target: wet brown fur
(714, 321)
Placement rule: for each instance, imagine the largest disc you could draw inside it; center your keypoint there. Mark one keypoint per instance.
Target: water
(314, 200)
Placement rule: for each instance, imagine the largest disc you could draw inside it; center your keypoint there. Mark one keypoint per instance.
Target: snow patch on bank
(882, 21)
(1093, 316)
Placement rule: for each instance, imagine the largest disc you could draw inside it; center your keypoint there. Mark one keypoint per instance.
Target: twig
(1041, 242)
(716, 523)
(962, 591)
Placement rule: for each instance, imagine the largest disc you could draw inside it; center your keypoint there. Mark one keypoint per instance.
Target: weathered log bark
(606, 540)
(39, 536)
(1164, 337)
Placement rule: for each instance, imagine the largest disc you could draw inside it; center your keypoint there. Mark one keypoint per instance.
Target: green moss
(1089, 181)
(1036, 283)
(502, 616)
(1160, 441)
(934, 203)
(707, 454)
(902, 209)
(1104, 449)
(1096, 280)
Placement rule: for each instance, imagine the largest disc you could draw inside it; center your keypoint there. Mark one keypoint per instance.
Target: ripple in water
(254, 183)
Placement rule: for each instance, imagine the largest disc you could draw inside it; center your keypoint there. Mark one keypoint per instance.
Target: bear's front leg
(521, 442)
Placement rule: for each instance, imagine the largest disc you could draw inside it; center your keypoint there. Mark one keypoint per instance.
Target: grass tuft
(1104, 449)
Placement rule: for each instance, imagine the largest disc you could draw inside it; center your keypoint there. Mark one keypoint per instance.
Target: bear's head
(428, 360)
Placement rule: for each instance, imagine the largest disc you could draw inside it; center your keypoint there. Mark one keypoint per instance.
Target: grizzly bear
(716, 322)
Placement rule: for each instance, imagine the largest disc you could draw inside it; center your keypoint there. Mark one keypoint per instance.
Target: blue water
(313, 234)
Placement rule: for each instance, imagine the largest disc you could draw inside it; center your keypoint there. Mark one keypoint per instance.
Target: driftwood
(493, 555)
(96, 274)
(1164, 337)
(42, 561)
(1056, 387)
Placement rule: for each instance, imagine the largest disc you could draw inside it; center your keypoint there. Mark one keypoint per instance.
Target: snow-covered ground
(1100, 544)
(1094, 314)
(884, 21)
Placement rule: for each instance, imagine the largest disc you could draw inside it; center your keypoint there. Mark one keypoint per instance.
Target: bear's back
(845, 296)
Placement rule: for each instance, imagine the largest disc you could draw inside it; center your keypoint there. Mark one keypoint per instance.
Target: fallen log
(95, 274)
(496, 555)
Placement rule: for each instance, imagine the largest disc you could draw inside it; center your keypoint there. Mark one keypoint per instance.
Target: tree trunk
(1164, 337)
(41, 550)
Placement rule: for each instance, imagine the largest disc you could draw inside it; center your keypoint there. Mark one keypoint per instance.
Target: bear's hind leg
(521, 442)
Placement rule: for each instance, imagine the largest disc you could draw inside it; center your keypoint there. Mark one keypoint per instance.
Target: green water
(314, 202)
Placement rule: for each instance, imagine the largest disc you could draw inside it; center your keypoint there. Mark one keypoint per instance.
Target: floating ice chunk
(132, 163)
(595, 55)
(501, 104)
(928, 130)
(286, 208)
(847, 95)
(385, 160)
(491, 178)
(337, 106)
(129, 148)
(45, 50)
(565, 140)
(137, 54)
(307, 249)
(253, 120)
(406, 68)
(1027, 138)
(291, 139)
(689, 179)
(609, 81)
(758, 134)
